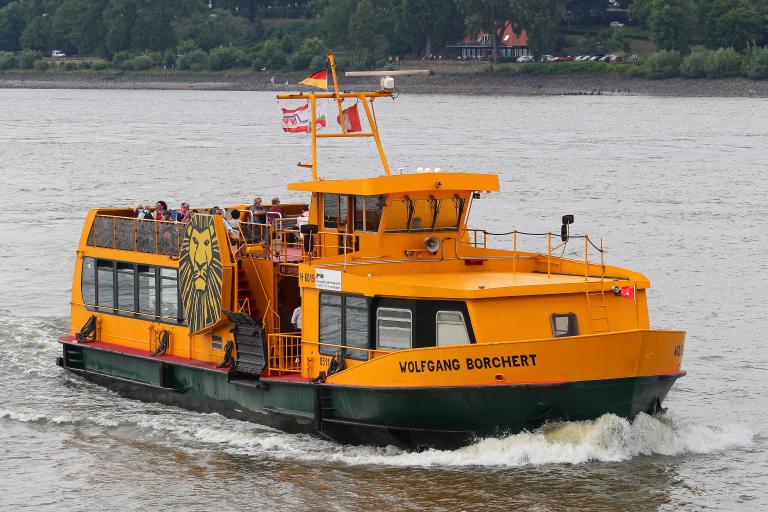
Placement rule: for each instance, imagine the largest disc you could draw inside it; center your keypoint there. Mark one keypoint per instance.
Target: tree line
(295, 34)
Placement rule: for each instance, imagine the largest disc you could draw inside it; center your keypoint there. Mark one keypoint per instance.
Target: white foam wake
(608, 438)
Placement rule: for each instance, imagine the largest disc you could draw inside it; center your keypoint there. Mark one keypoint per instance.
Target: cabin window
(564, 325)
(105, 285)
(125, 289)
(368, 210)
(393, 328)
(425, 214)
(451, 328)
(330, 322)
(356, 326)
(147, 282)
(330, 210)
(169, 295)
(335, 210)
(88, 282)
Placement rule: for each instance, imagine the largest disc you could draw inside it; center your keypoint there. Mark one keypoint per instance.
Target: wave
(606, 439)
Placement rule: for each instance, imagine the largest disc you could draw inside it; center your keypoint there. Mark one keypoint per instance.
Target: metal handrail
(120, 240)
(473, 239)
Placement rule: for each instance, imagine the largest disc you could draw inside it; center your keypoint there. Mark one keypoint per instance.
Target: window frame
(180, 318)
(378, 329)
(463, 323)
(573, 325)
(354, 352)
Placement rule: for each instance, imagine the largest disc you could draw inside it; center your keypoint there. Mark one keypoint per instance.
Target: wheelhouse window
(394, 328)
(368, 211)
(429, 214)
(335, 210)
(564, 325)
(451, 328)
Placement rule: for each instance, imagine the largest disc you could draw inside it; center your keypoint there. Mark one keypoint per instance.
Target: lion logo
(200, 273)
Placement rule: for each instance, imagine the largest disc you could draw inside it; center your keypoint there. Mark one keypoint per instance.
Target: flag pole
(332, 62)
(313, 102)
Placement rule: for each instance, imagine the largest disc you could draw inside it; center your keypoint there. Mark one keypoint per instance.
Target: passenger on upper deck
(232, 225)
(275, 211)
(160, 207)
(304, 217)
(183, 215)
(140, 212)
(259, 211)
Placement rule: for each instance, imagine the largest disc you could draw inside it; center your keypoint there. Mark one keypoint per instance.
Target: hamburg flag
(318, 79)
(351, 119)
(628, 292)
(296, 120)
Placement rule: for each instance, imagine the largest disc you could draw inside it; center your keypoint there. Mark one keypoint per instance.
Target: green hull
(408, 417)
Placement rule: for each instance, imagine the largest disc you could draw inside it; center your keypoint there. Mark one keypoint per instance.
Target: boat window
(88, 282)
(330, 322)
(393, 328)
(356, 326)
(564, 325)
(424, 214)
(105, 288)
(147, 291)
(368, 210)
(451, 328)
(125, 290)
(330, 211)
(343, 210)
(169, 295)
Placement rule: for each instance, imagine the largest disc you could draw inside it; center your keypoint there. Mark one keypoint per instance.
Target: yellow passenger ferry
(414, 331)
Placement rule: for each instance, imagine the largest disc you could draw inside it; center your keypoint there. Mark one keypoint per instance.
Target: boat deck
(489, 283)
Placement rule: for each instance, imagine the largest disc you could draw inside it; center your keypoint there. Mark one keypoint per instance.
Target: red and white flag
(296, 120)
(351, 119)
(628, 292)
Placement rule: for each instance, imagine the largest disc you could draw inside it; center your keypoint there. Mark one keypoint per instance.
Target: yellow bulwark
(395, 289)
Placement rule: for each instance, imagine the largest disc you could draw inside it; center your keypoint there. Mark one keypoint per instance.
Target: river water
(675, 186)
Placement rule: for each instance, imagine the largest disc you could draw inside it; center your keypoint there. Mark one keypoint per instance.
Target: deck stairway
(250, 343)
(598, 310)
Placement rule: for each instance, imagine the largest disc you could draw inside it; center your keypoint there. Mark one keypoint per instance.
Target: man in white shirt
(296, 318)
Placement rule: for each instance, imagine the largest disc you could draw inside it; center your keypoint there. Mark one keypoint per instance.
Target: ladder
(598, 309)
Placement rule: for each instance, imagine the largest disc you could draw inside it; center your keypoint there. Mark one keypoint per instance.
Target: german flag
(318, 79)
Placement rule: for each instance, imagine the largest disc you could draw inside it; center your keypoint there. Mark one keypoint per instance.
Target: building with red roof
(480, 45)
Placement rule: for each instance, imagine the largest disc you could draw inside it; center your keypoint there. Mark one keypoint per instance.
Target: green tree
(334, 18)
(585, 11)
(672, 24)
(488, 16)
(541, 20)
(368, 28)
(422, 24)
(12, 26)
(219, 28)
(733, 23)
(37, 34)
(640, 10)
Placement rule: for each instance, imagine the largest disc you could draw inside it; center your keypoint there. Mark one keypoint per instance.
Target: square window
(564, 324)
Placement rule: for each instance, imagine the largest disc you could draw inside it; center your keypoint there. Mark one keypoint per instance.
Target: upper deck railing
(138, 235)
(282, 241)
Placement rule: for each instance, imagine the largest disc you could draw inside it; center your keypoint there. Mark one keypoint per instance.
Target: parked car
(615, 24)
(546, 58)
(567, 58)
(606, 58)
(615, 58)
(525, 58)
(58, 54)
(595, 57)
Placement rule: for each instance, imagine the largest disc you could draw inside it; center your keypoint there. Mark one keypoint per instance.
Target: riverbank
(437, 83)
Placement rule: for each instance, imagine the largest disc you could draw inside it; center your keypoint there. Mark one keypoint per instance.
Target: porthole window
(564, 325)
